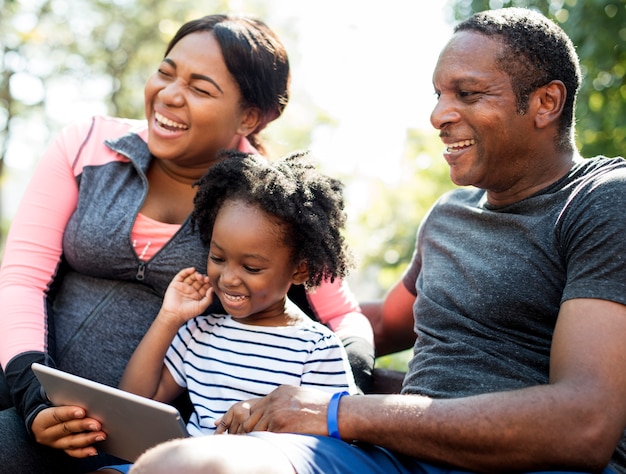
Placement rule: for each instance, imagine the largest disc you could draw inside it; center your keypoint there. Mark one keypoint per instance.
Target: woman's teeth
(169, 123)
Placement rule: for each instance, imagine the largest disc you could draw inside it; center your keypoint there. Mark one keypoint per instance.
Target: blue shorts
(123, 468)
(310, 454)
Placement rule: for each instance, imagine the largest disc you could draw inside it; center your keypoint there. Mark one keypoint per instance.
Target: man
(519, 285)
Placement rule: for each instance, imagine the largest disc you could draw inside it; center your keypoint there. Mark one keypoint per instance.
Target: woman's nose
(172, 94)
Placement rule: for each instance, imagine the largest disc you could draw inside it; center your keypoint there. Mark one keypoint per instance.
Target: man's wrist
(332, 417)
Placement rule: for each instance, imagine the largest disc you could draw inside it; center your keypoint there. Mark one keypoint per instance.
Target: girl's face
(193, 104)
(249, 266)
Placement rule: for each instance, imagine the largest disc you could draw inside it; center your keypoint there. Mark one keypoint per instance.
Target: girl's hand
(68, 428)
(187, 296)
(233, 420)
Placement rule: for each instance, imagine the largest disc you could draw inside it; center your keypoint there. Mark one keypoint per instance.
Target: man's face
(488, 143)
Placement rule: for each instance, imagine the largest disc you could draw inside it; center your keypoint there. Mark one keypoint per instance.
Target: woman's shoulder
(100, 128)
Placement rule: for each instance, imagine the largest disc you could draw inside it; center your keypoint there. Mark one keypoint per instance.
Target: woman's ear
(250, 120)
(550, 100)
(301, 274)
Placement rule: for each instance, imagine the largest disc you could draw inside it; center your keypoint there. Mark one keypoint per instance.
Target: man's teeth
(169, 123)
(461, 144)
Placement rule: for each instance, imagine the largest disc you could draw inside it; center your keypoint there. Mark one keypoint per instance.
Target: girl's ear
(301, 274)
(250, 120)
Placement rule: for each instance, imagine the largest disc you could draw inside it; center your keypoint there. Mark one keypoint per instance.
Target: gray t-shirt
(489, 281)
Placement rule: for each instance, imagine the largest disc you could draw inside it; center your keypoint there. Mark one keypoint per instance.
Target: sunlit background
(361, 93)
(361, 79)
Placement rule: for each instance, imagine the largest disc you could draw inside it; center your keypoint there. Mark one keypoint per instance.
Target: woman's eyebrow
(201, 77)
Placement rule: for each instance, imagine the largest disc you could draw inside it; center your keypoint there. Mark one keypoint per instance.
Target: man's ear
(549, 101)
(250, 120)
(301, 274)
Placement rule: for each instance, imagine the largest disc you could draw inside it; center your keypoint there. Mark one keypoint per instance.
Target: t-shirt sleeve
(327, 367)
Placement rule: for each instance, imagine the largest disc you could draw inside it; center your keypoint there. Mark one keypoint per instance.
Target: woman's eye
(201, 91)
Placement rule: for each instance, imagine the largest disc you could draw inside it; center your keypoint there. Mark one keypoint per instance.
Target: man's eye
(467, 94)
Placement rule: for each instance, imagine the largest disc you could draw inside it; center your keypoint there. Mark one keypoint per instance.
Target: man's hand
(287, 409)
(68, 428)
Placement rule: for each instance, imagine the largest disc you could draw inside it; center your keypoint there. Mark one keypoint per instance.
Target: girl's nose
(230, 276)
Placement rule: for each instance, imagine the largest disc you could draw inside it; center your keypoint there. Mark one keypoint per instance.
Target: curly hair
(308, 204)
(536, 52)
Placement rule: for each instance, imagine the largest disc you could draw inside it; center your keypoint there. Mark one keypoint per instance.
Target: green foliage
(598, 29)
(384, 234)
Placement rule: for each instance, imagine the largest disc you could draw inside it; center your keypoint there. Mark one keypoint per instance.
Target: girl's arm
(187, 296)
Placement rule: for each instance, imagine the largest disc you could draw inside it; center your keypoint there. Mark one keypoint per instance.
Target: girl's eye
(216, 259)
(252, 269)
(162, 72)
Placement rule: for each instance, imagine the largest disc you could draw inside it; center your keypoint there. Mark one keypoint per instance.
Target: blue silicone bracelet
(333, 409)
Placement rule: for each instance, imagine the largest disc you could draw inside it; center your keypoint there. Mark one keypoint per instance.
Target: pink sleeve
(336, 307)
(33, 248)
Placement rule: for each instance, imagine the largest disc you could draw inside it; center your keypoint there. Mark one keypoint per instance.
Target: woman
(104, 227)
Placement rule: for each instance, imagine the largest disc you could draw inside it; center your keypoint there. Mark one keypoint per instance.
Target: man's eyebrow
(201, 77)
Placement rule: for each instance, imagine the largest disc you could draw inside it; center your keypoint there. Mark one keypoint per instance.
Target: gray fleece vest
(103, 298)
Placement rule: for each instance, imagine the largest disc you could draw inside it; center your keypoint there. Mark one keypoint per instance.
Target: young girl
(268, 226)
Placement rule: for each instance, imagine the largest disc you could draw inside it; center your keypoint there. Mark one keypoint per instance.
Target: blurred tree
(384, 232)
(598, 29)
(62, 57)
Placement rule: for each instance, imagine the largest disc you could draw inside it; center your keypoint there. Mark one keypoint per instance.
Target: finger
(222, 427)
(81, 445)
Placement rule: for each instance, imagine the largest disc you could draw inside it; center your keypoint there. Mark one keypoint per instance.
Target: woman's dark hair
(308, 205)
(254, 56)
(536, 52)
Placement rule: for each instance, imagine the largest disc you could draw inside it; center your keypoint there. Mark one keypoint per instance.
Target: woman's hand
(68, 428)
(288, 409)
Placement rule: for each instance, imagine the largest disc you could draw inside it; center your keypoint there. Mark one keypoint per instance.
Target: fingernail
(100, 438)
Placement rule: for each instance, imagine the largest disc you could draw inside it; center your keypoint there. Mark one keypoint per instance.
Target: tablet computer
(132, 423)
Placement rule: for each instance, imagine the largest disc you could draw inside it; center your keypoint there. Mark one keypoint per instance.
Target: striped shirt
(222, 361)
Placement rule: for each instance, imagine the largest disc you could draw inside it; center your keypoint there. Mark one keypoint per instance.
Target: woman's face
(193, 104)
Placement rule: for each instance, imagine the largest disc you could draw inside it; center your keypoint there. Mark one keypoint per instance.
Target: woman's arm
(392, 320)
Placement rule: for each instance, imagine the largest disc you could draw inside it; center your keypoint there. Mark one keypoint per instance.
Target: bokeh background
(360, 100)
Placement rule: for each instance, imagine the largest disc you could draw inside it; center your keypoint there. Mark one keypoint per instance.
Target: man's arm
(392, 320)
(573, 422)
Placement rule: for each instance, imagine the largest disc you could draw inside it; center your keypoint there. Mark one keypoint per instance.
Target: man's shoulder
(600, 163)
